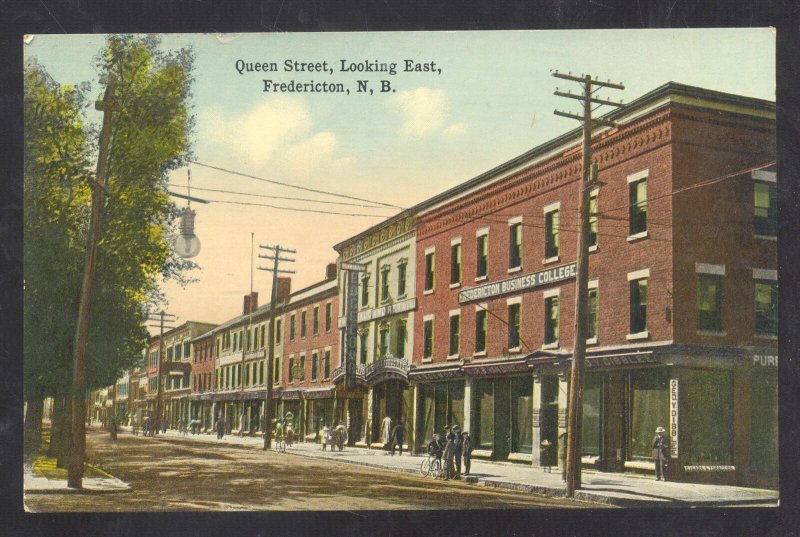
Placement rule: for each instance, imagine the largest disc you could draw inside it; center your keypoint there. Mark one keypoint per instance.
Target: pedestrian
(220, 427)
(164, 425)
(449, 456)
(368, 433)
(340, 436)
(397, 436)
(459, 447)
(242, 419)
(466, 450)
(112, 428)
(386, 426)
(661, 454)
(327, 438)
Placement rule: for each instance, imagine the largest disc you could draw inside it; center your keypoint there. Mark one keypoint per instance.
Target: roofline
(389, 221)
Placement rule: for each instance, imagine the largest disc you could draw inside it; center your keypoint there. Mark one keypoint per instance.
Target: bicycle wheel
(425, 467)
(436, 468)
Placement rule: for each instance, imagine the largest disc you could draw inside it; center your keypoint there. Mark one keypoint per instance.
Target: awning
(319, 393)
(493, 367)
(435, 372)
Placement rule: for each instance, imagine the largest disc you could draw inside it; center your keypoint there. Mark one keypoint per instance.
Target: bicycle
(430, 466)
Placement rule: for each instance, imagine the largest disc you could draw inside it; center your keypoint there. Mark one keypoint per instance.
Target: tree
(150, 136)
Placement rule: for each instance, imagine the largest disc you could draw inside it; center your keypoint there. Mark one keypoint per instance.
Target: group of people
(334, 437)
(452, 447)
(151, 426)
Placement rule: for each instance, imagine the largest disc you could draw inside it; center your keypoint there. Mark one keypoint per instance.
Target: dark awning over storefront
(319, 393)
(494, 367)
(435, 372)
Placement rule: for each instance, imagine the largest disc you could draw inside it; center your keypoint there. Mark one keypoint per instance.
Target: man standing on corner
(397, 436)
(661, 454)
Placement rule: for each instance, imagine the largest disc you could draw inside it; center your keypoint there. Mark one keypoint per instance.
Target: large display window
(590, 423)
(649, 408)
(764, 422)
(707, 423)
(442, 405)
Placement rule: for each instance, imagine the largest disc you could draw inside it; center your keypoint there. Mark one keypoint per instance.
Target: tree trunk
(33, 427)
(63, 439)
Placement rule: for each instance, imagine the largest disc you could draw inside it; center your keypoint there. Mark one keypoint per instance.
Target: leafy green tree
(150, 136)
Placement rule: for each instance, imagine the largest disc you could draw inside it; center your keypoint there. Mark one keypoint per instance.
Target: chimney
(246, 304)
(330, 271)
(284, 289)
(253, 301)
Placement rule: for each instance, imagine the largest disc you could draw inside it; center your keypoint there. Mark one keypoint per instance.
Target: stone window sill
(638, 335)
(637, 236)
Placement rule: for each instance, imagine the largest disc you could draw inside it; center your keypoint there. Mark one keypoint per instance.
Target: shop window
(593, 220)
(401, 279)
(649, 408)
(521, 394)
(707, 425)
(384, 284)
(638, 296)
(482, 253)
(551, 225)
(315, 321)
(513, 325)
(766, 307)
(427, 338)
(764, 422)
(328, 316)
(401, 340)
(484, 415)
(481, 329)
(430, 271)
(314, 366)
(455, 264)
(638, 207)
(455, 335)
(765, 215)
(709, 302)
(591, 312)
(515, 245)
(551, 317)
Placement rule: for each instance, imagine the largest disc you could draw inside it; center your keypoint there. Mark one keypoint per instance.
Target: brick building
(682, 294)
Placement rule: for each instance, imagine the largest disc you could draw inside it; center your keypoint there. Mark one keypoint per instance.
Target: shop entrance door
(549, 421)
(354, 408)
(502, 419)
(613, 443)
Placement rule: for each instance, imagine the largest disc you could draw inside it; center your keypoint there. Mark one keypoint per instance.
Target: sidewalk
(623, 490)
(91, 485)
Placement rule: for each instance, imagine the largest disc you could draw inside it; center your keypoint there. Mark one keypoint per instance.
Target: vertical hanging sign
(351, 326)
(673, 417)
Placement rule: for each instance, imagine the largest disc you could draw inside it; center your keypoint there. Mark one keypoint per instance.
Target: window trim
(430, 318)
(429, 251)
(453, 313)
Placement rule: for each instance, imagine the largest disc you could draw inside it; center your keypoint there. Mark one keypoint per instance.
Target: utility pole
(168, 317)
(575, 402)
(78, 449)
(273, 304)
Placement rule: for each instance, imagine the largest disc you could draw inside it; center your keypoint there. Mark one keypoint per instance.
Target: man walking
(397, 436)
(220, 427)
(661, 454)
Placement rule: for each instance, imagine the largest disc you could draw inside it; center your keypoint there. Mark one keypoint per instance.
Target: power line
(316, 191)
(297, 209)
(278, 197)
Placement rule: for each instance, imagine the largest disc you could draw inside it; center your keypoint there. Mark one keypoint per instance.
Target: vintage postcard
(422, 270)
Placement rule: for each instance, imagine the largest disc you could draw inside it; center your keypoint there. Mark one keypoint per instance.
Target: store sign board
(765, 360)
(351, 330)
(519, 283)
(673, 417)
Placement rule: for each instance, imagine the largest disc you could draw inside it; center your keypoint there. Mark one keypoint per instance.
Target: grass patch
(46, 467)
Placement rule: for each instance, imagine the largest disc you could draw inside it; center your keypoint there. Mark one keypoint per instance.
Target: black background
(95, 16)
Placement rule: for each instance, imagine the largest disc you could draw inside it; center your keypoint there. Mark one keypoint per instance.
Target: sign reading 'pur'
(518, 283)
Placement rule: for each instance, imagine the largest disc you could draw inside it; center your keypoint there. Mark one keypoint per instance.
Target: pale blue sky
(493, 100)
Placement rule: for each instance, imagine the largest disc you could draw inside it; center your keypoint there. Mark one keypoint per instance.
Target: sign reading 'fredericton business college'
(518, 283)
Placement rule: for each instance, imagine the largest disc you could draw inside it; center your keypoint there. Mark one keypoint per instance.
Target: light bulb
(187, 245)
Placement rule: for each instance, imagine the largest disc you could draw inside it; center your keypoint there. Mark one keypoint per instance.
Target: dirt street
(169, 474)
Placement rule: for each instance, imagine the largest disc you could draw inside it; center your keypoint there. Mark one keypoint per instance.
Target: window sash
(427, 329)
(709, 302)
(482, 264)
(430, 268)
(401, 340)
(480, 330)
(384, 285)
(638, 296)
(592, 309)
(455, 263)
(513, 325)
(314, 366)
(593, 220)
(765, 208)
(551, 224)
(638, 207)
(515, 246)
(455, 334)
(401, 280)
(551, 320)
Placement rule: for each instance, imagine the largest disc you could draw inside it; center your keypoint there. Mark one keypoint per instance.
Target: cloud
(423, 110)
(455, 129)
(314, 151)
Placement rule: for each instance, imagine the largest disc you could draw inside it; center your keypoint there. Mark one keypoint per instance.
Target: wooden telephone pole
(575, 403)
(273, 304)
(78, 448)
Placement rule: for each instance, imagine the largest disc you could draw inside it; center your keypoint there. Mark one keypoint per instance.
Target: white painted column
(536, 437)
(467, 404)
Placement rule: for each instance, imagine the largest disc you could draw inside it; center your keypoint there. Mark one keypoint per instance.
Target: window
(302, 367)
(515, 245)
(401, 279)
(276, 373)
(328, 316)
(278, 331)
(292, 327)
(169, 354)
(638, 294)
(178, 351)
(362, 357)
(513, 325)
(455, 334)
(455, 264)
(302, 324)
(551, 320)
(187, 350)
(766, 307)
(264, 333)
(314, 366)
(592, 305)
(384, 341)
(593, 219)
(551, 224)
(638, 206)
(427, 338)
(430, 267)
(365, 291)
(384, 284)
(327, 364)
(481, 326)
(261, 372)
(482, 256)
(401, 339)
(709, 302)
(291, 369)
(765, 208)
(315, 321)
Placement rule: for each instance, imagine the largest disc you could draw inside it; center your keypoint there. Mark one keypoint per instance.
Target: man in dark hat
(661, 453)
(459, 448)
